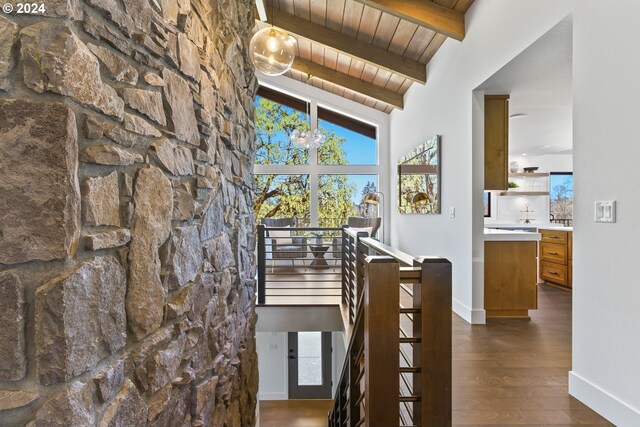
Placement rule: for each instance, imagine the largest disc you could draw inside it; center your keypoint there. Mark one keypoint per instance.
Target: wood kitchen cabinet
(510, 282)
(496, 142)
(556, 257)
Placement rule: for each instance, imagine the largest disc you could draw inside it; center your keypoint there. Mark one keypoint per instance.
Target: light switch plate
(605, 211)
(452, 212)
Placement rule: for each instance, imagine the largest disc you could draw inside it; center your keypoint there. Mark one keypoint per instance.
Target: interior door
(310, 365)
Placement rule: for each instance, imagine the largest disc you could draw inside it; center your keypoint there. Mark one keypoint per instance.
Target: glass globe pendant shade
(307, 139)
(272, 51)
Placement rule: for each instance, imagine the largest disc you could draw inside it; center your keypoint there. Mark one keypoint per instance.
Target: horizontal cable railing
(397, 370)
(297, 265)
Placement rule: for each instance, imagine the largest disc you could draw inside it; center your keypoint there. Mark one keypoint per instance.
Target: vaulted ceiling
(368, 51)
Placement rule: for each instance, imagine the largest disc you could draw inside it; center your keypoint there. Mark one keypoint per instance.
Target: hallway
(509, 372)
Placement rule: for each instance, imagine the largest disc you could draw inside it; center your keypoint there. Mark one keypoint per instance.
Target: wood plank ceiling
(368, 51)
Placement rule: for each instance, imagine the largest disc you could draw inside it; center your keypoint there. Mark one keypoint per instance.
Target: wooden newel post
(382, 341)
(262, 263)
(433, 354)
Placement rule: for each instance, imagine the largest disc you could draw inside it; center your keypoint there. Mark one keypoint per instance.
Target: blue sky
(359, 150)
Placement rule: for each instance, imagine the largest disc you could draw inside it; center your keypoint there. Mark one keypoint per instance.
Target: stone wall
(126, 230)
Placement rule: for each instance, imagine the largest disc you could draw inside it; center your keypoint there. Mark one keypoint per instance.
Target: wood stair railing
(397, 370)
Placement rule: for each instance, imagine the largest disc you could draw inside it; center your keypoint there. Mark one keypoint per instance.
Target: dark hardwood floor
(508, 372)
(294, 413)
(514, 372)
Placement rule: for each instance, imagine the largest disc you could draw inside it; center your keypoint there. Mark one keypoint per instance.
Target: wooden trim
(348, 123)
(418, 169)
(348, 82)
(366, 52)
(281, 98)
(424, 13)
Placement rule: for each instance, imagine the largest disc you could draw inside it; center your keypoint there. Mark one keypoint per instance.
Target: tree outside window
(561, 197)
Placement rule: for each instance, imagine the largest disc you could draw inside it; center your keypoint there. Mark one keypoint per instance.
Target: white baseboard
(272, 396)
(610, 407)
(473, 316)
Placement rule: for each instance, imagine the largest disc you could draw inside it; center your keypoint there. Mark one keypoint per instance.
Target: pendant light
(308, 138)
(271, 50)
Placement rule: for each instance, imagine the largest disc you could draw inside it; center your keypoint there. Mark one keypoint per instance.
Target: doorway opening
(309, 364)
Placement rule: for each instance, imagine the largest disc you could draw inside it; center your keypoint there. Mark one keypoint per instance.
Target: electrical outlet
(452, 212)
(273, 346)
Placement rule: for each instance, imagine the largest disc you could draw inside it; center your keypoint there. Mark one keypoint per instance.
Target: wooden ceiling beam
(353, 47)
(424, 13)
(348, 82)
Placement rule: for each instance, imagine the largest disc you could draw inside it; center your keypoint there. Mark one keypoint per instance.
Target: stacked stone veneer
(126, 231)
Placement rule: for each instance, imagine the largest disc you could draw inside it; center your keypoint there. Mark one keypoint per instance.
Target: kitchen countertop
(493, 235)
(533, 225)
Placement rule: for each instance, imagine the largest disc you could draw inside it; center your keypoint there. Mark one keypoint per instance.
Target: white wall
(272, 365)
(606, 318)
(497, 31)
(606, 322)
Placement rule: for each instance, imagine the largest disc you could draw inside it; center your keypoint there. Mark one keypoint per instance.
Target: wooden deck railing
(397, 370)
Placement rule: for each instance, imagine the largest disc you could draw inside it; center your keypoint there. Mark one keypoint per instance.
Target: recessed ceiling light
(517, 115)
(524, 154)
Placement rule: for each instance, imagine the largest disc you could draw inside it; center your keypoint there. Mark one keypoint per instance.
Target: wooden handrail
(373, 384)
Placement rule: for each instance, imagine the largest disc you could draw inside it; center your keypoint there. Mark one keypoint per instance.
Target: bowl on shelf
(530, 169)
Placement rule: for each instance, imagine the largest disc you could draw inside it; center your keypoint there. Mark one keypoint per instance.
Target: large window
(561, 198)
(321, 187)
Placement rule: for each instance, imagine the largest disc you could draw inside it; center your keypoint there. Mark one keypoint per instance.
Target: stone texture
(127, 409)
(163, 366)
(183, 204)
(183, 256)
(109, 155)
(183, 68)
(180, 101)
(40, 198)
(71, 406)
(146, 102)
(203, 400)
(101, 200)
(44, 46)
(79, 319)
(13, 360)
(113, 11)
(153, 198)
(207, 94)
(119, 68)
(211, 223)
(107, 239)
(219, 252)
(140, 12)
(175, 158)
(189, 58)
(109, 381)
(8, 35)
(11, 399)
(175, 411)
(140, 126)
(153, 79)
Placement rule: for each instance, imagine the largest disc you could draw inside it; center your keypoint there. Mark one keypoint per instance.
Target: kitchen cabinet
(510, 285)
(556, 257)
(496, 142)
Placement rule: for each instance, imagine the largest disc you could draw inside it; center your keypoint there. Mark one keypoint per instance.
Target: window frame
(313, 169)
